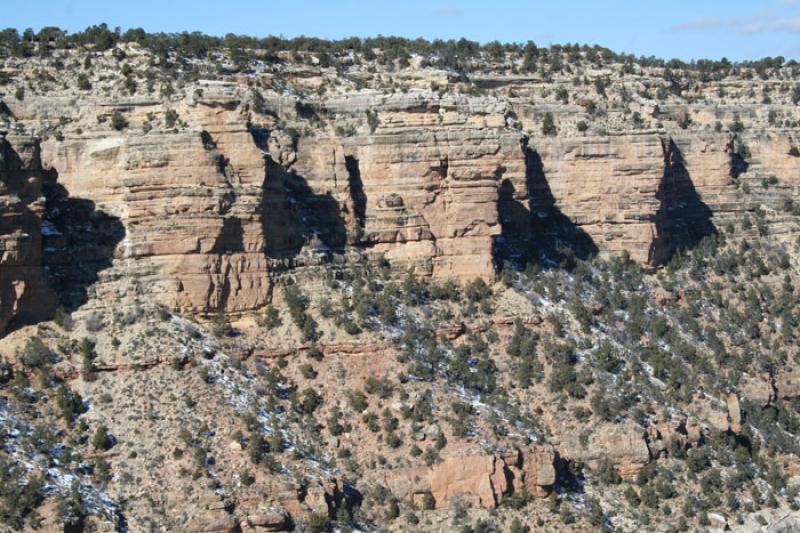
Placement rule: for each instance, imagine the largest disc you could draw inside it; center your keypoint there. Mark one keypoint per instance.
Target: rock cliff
(210, 196)
(24, 293)
(161, 206)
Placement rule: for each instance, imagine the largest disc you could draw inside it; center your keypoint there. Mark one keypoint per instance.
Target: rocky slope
(569, 294)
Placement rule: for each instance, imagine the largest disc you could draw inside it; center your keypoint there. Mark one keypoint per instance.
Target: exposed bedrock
(23, 288)
(210, 216)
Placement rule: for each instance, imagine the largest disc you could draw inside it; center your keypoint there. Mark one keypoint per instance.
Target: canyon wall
(24, 293)
(206, 211)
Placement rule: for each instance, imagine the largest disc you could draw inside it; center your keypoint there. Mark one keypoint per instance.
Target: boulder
(539, 470)
(624, 445)
(478, 479)
(734, 413)
(266, 519)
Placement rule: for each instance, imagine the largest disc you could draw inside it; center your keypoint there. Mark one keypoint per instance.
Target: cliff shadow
(230, 238)
(513, 213)
(293, 215)
(357, 194)
(555, 239)
(738, 154)
(682, 219)
(78, 242)
(25, 297)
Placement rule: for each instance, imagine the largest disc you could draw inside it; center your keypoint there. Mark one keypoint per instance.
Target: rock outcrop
(477, 479)
(623, 446)
(24, 294)
(215, 199)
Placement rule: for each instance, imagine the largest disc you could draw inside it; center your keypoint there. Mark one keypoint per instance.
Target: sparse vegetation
(667, 390)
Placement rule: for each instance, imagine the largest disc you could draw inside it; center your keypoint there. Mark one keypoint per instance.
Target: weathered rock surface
(624, 446)
(209, 212)
(24, 294)
(477, 479)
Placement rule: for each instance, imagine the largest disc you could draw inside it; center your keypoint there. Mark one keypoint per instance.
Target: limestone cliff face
(430, 193)
(206, 210)
(605, 186)
(214, 213)
(190, 204)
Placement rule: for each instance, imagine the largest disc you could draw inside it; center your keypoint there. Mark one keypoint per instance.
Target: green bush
(36, 354)
(307, 371)
(318, 523)
(170, 118)
(118, 121)
(102, 440)
(549, 125)
(19, 495)
(379, 386)
(83, 82)
(477, 290)
(358, 401)
(372, 120)
(297, 303)
(311, 400)
(70, 403)
(258, 102)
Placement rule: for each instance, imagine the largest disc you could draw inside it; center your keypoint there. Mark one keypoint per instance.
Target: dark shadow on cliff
(682, 219)
(356, 190)
(513, 243)
(358, 201)
(738, 154)
(292, 215)
(538, 233)
(20, 219)
(230, 238)
(78, 241)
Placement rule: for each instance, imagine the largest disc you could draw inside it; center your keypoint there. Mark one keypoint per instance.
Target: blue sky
(687, 29)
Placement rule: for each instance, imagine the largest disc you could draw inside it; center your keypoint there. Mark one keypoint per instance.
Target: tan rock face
(624, 446)
(607, 187)
(431, 196)
(211, 212)
(190, 203)
(266, 520)
(734, 413)
(478, 479)
(539, 471)
(787, 383)
(24, 295)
